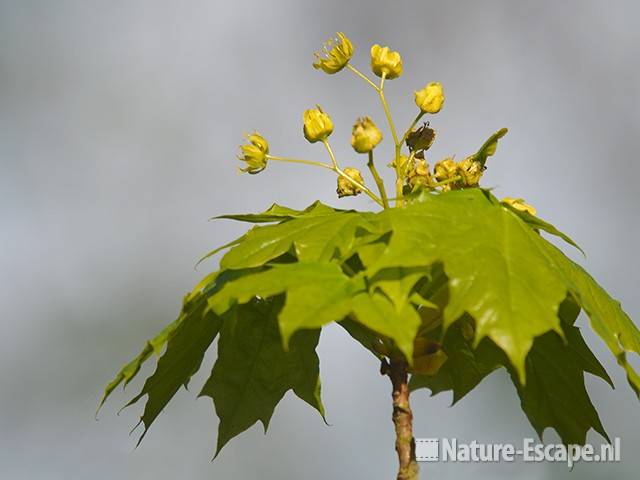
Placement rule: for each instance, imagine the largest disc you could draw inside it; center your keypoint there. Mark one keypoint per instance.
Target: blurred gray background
(119, 123)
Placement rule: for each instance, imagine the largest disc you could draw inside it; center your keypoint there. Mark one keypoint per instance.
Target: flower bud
(430, 98)
(317, 125)
(445, 169)
(401, 165)
(518, 204)
(254, 153)
(347, 188)
(420, 174)
(335, 54)
(385, 62)
(470, 170)
(365, 135)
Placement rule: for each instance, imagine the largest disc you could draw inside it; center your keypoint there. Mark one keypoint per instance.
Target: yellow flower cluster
(447, 174)
(419, 175)
(466, 173)
(446, 171)
(471, 171)
(411, 169)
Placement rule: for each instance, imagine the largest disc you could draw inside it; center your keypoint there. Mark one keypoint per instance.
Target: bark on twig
(402, 419)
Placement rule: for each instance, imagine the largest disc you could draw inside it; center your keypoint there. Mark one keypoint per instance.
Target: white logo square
(427, 449)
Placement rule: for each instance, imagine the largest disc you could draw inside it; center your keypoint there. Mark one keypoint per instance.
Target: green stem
(362, 76)
(295, 160)
(378, 180)
(396, 142)
(387, 112)
(331, 155)
(340, 172)
(447, 181)
(333, 168)
(399, 193)
(413, 124)
(409, 160)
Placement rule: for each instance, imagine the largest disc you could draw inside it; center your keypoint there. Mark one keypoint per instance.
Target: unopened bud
(317, 125)
(430, 98)
(445, 169)
(365, 136)
(385, 62)
(470, 170)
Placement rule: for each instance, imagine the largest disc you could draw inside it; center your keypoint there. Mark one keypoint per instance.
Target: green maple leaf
(377, 313)
(431, 269)
(278, 213)
(309, 238)
(131, 369)
(253, 371)
(554, 395)
(501, 272)
(317, 293)
(183, 357)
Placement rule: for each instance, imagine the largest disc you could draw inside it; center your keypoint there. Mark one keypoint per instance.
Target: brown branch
(402, 419)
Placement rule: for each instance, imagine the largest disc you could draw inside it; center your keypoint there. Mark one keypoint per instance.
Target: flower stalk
(387, 113)
(396, 142)
(299, 161)
(341, 172)
(412, 126)
(378, 180)
(362, 76)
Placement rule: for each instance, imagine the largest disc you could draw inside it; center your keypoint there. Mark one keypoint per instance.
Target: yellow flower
(445, 169)
(317, 125)
(420, 174)
(385, 62)
(518, 204)
(402, 163)
(347, 188)
(365, 135)
(430, 98)
(470, 170)
(254, 153)
(337, 53)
